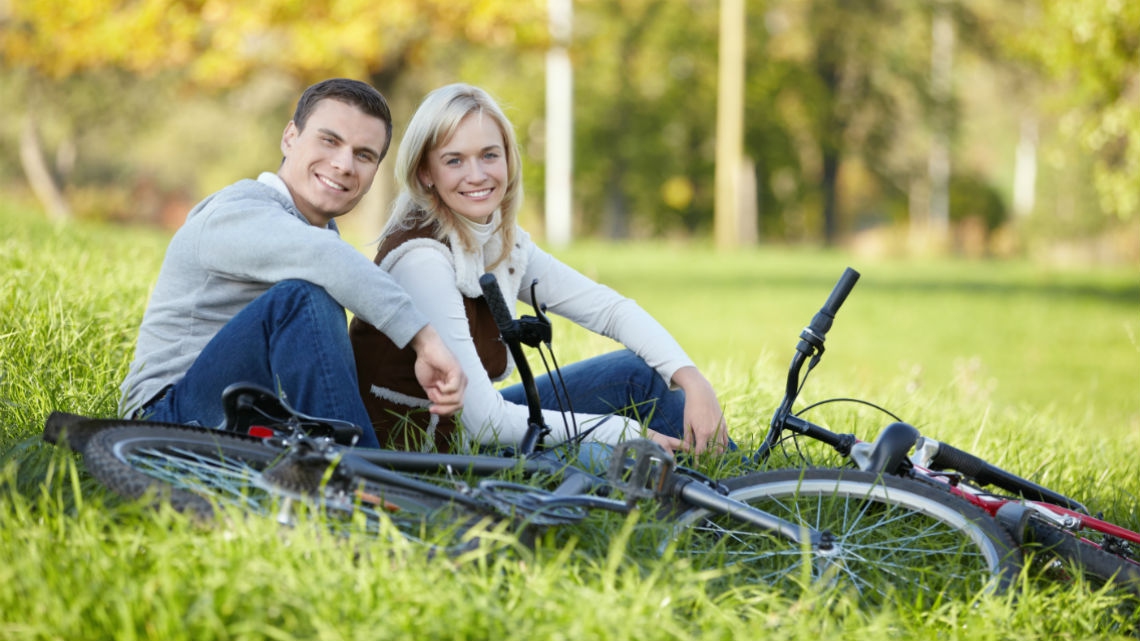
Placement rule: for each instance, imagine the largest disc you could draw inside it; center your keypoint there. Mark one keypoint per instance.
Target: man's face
(330, 165)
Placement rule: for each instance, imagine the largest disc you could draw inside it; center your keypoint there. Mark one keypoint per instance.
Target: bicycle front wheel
(196, 469)
(892, 537)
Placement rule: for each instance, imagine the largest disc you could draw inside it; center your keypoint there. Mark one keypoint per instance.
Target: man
(255, 284)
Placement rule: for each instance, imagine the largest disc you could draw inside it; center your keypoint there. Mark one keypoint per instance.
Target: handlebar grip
(839, 293)
(494, 296)
(952, 458)
(821, 322)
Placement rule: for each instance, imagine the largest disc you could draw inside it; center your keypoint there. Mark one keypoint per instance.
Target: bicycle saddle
(252, 409)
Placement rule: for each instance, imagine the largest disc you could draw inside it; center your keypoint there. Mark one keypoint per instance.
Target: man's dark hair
(361, 95)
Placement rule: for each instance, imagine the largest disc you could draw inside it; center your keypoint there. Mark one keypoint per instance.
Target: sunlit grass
(1037, 370)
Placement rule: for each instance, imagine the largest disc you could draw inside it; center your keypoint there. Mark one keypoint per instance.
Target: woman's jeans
(293, 339)
(616, 383)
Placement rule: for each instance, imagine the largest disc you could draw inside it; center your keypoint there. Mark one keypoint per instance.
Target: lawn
(1036, 369)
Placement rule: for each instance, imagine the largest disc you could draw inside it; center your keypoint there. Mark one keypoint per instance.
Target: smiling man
(255, 284)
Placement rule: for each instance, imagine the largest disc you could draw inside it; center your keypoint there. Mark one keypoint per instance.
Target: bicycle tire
(1086, 556)
(894, 537)
(196, 469)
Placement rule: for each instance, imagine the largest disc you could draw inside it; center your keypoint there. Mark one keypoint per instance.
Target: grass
(1035, 369)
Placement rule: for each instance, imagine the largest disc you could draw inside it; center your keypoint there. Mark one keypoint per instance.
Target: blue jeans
(615, 383)
(292, 339)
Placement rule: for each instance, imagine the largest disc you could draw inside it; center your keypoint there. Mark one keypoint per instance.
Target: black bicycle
(853, 530)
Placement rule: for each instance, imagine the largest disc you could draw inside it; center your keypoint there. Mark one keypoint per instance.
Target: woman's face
(469, 171)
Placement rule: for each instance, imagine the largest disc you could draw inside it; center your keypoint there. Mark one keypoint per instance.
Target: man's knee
(302, 292)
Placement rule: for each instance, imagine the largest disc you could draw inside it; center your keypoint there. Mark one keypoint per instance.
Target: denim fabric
(615, 383)
(293, 338)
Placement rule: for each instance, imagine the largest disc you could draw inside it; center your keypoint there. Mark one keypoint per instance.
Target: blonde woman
(460, 188)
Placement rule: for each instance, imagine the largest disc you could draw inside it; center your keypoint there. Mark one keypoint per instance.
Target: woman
(454, 219)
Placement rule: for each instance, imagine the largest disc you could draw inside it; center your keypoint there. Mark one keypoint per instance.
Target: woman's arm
(600, 309)
(429, 278)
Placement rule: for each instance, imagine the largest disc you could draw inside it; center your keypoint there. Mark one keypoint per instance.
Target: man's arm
(438, 371)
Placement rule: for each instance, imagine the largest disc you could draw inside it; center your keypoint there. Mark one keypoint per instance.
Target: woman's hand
(670, 444)
(705, 427)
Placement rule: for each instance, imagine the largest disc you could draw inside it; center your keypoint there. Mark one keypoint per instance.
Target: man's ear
(287, 137)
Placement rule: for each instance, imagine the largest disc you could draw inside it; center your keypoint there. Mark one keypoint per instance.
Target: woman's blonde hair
(433, 124)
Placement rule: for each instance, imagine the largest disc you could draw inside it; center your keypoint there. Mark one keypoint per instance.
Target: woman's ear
(425, 179)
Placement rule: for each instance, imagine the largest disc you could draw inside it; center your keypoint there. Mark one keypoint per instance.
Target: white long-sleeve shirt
(433, 276)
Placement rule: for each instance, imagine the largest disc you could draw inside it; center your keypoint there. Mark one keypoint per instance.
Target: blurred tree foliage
(1092, 47)
(184, 54)
(169, 99)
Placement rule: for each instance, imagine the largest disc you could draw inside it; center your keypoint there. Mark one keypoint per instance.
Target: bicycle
(848, 529)
(1037, 517)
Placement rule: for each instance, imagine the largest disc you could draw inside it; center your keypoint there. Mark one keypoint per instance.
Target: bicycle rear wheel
(196, 469)
(893, 538)
(1099, 557)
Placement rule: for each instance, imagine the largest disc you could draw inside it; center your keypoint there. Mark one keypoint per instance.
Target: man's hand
(438, 372)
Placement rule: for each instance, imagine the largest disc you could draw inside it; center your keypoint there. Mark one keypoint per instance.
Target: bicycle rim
(196, 470)
(894, 538)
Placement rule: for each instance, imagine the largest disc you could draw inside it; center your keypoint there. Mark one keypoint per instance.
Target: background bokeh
(132, 110)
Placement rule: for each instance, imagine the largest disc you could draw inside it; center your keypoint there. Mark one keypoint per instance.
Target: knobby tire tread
(106, 458)
(1098, 564)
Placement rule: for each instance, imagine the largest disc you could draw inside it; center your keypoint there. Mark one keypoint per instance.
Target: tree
(1093, 47)
(216, 45)
(645, 115)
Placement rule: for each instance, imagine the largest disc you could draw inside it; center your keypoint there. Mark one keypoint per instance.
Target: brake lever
(536, 329)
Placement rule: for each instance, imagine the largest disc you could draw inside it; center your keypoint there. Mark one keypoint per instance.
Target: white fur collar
(469, 267)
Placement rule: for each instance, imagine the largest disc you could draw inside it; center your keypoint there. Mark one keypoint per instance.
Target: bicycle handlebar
(948, 457)
(511, 334)
(494, 297)
(944, 457)
(816, 331)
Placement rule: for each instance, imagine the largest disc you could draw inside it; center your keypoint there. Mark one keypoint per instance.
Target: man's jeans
(293, 339)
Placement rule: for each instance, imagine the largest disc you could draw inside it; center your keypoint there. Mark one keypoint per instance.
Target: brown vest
(396, 402)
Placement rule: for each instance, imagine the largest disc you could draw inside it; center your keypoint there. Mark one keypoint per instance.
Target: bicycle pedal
(640, 469)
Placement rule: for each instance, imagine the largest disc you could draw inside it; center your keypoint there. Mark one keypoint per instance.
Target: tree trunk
(38, 173)
(829, 183)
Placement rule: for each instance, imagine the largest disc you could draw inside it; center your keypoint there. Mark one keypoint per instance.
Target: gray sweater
(234, 246)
